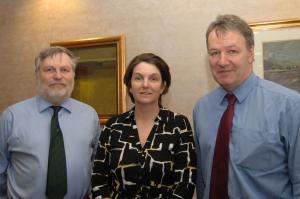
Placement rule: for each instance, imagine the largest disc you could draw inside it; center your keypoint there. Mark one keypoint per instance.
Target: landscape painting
(281, 61)
(277, 51)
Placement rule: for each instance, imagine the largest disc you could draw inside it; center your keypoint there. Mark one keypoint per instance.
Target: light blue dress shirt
(264, 143)
(24, 147)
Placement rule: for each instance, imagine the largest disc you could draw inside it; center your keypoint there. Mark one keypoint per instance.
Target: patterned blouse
(165, 167)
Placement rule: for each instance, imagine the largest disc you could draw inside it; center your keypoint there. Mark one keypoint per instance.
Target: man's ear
(251, 55)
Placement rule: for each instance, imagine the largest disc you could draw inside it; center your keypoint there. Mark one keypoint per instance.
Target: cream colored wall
(175, 30)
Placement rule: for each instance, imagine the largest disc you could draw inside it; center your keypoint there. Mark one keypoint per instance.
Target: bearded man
(48, 142)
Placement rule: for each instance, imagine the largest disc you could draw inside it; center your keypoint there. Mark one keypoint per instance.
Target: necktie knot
(231, 99)
(56, 109)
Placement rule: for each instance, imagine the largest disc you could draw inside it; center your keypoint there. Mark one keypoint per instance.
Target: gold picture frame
(267, 25)
(99, 73)
(276, 52)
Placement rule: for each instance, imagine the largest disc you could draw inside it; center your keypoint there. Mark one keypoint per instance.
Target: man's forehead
(224, 33)
(58, 57)
(230, 37)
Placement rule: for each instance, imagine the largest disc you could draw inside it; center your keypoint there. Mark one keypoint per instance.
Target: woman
(147, 152)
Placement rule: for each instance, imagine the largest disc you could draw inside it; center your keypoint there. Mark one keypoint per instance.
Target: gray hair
(224, 23)
(50, 52)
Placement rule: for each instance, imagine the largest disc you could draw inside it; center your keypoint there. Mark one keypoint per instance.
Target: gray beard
(56, 97)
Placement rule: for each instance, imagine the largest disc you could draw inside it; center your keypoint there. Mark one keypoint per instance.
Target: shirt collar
(162, 115)
(130, 116)
(245, 88)
(44, 104)
(242, 91)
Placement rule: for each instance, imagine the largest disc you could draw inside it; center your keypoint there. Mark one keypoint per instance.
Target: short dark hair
(50, 52)
(224, 23)
(150, 58)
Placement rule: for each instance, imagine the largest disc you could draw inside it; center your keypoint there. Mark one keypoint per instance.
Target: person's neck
(54, 102)
(146, 112)
(232, 88)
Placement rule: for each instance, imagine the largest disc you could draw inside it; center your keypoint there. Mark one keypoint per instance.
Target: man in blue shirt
(25, 132)
(264, 142)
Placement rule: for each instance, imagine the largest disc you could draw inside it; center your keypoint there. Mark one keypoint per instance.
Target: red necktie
(219, 174)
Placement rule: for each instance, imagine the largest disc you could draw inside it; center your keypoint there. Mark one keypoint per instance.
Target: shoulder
(80, 106)
(174, 122)
(23, 106)
(278, 92)
(123, 118)
(20, 111)
(81, 112)
(169, 116)
(209, 99)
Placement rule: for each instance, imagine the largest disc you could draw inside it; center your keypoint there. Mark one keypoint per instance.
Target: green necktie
(57, 170)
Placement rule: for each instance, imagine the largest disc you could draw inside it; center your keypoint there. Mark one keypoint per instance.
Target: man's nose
(223, 60)
(57, 74)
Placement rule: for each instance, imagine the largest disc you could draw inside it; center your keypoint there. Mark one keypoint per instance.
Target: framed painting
(99, 73)
(277, 50)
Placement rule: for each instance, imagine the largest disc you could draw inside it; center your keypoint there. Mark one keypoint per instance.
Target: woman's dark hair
(149, 58)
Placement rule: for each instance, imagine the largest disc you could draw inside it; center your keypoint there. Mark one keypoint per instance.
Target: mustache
(56, 82)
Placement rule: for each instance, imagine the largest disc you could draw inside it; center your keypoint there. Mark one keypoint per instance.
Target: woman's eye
(137, 78)
(154, 78)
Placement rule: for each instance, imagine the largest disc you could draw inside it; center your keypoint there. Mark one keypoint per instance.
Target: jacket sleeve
(5, 131)
(200, 181)
(184, 161)
(292, 121)
(101, 169)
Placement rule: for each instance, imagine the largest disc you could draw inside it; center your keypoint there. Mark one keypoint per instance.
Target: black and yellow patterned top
(164, 168)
